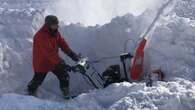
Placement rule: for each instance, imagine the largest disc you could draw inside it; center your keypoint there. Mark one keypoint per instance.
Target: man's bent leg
(63, 78)
(35, 83)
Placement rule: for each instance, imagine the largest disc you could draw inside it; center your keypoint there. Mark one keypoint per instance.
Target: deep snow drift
(171, 48)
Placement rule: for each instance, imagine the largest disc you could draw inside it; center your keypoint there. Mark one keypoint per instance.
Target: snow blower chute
(137, 68)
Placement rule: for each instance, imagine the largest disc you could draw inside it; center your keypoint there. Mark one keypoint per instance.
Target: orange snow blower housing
(137, 68)
(138, 61)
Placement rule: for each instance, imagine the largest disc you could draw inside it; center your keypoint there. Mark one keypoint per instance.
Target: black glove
(74, 56)
(62, 66)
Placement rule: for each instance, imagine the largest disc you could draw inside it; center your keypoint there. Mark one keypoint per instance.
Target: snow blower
(111, 75)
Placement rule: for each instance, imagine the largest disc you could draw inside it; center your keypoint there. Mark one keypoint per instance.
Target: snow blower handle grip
(124, 56)
(81, 66)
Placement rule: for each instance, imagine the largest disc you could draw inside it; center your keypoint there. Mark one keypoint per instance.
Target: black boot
(65, 92)
(32, 89)
(32, 92)
(64, 85)
(62, 74)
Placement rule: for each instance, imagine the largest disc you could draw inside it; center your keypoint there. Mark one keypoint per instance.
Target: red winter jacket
(45, 50)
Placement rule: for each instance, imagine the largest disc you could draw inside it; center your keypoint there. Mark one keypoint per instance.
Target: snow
(174, 95)
(186, 8)
(170, 47)
(172, 41)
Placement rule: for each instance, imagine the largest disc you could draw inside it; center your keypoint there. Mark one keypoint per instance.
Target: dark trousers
(39, 77)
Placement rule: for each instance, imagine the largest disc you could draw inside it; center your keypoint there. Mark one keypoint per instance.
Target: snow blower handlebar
(124, 56)
(84, 64)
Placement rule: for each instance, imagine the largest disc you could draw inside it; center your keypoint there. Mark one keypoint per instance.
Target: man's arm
(66, 49)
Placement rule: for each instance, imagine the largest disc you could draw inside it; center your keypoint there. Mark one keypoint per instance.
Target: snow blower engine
(113, 74)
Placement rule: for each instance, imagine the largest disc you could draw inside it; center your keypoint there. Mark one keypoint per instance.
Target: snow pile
(171, 47)
(177, 95)
(186, 8)
(16, 29)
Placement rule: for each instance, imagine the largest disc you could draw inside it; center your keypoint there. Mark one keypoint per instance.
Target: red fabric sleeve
(63, 44)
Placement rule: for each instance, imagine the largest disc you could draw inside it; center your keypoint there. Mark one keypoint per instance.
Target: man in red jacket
(46, 44)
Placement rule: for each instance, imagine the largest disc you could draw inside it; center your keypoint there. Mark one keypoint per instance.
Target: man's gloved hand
(74, 56)
(63, 66)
